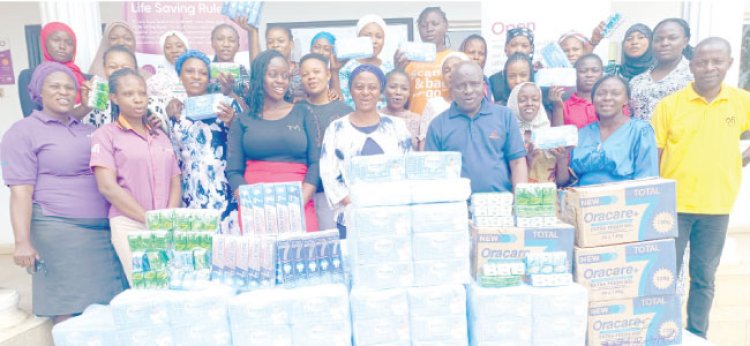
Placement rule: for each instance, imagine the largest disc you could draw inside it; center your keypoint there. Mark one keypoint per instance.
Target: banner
(151, 19)
(6, 63)
(548, 19)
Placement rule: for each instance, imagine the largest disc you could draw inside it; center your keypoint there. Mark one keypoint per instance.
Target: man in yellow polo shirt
(698, 131)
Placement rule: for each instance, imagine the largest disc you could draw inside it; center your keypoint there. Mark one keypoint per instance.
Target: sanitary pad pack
(204, 107)
(354, 48)
(418, 51)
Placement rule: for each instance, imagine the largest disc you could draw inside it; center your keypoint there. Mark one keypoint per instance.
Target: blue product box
(429, 165)
(282, 208)
(627, 270)
(376, 168)
(654, 320)
(380, 249)
(554, 56)
(296, 209)
(204, 107)
(380, 221)
(440, 217)
(269, 204)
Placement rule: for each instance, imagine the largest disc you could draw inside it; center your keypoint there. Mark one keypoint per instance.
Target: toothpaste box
(383, 275)
(380, 221)
(624, 212)
(440, 217)
(259, 209)
(269, 203)
(376, 168)
(354, 48)
(242, 262)
(440, 245)
(490, 245)
(245, 206)
(433, 165)
(230, 258)
(555, 137)
(282, 208)
(437, 300)
(285, 261)
(296, 209)
(266, 261)
(380, 249)
(204, 107)
(555, 76)
(418, 51)
(217, 257)
(501, 274)
(441, 272)
(654, 320)
(627, 270)
(227, 68)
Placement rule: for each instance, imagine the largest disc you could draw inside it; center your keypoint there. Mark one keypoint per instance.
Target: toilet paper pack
(623, 212)
(276, 336)
(141, 308)
(555, 137)
(627, 270)
(437, 300)
(393, 193)
(325, 333)
(159, 335)
(428, 165)
(202, 334)
(492, 199)
(440, 217)
(491, 245)
(442, 272)
(440, 245)
(262, 308)
(654, 320)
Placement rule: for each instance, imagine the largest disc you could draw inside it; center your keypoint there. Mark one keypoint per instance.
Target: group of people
(81, 179)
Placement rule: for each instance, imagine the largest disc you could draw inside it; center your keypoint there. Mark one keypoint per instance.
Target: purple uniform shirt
(144, 166)
(53, 157)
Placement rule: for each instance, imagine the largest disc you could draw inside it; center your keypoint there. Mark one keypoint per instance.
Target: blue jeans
(706, 234)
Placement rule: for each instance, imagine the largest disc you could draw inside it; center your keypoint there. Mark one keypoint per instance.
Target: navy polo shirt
(487, 142)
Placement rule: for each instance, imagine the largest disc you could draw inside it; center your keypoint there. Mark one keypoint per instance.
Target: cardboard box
(502, 244)
(624, 212)
(628, 270)
(654, 320)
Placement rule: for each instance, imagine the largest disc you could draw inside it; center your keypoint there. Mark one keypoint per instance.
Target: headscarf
(54, 27)
(97, 66)
(163, 40)
(368, 68)
(460, 55)
(577, 35)
(370, 18)
(539, 121)
(515, 32)
(41, 72)
(189, 54)
(326, 35)
(633, 66)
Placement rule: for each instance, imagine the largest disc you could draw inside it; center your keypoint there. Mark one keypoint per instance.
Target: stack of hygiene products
(625, 257)
(309, 316)
(152, 317)
(175, 250)
(492, 209)
(271, 209)
(407, 239)
(525, 315)
(535, 205)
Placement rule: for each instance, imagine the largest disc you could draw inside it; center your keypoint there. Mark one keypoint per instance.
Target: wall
(12, 25)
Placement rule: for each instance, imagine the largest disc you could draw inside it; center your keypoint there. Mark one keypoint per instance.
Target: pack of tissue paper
(376, 168)
(383, 275)
(204, 107)
(555, 137)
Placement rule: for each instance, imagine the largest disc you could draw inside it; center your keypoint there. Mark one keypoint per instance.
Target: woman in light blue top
(615, 148)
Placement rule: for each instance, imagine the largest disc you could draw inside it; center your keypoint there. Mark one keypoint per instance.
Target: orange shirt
(426, 81)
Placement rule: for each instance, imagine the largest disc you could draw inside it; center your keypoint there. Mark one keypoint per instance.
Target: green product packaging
(138, 280)
(228, 68)
(183, 220)
(200, 257)
(162, 219)
(535, 194)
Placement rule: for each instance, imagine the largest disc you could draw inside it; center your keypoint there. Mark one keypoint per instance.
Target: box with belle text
(622, 212)
(504, 244)
(628, 270)
(654, 320)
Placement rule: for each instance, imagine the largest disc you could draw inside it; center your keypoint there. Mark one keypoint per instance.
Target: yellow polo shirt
(701, 147)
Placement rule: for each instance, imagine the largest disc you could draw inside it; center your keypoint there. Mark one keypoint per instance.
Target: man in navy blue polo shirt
(487, 135)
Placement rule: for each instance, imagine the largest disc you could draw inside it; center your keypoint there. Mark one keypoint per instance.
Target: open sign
(500, 28)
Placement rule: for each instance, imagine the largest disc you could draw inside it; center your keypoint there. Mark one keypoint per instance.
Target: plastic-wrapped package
(426, 165)
(354, 48)
(363, 251)
(209, 306)
(142, 308)
(380, 316)
(204, 107)
(441, 272)
(438, 328)
(440, 190)
(380, 194)
(202, 334)
(227, 68)
(380, 221)
(437, 300)
(382, 331)
(322, 333)
(376, 168)
(94, 327)
(419, 51)
(440, 217)
(157, 335)
(383, 275)
(440, 246)
(274, 336)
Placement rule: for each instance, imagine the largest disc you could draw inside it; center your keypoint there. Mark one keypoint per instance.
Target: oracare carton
(513, 243)
(622, 212)
(649, 321)
(627, 270)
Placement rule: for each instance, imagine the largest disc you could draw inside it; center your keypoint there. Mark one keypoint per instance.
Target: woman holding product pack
(526, 103)
(426, 76)
(362, 132)
(270, 142)
(615, 148)
(134, 164)
(58, 216)
(322, 111)
(517, 40)
(201, 144)
(372, 26)
(225, 41)
(165, 83)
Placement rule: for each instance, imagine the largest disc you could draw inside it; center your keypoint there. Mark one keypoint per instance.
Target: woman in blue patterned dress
(201, 145)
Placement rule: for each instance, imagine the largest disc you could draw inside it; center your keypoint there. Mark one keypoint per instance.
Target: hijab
(97, 66)
(633, 66)
(163, 40)
(51, 28)
(540, 119)
(370, 18)
(41, 72)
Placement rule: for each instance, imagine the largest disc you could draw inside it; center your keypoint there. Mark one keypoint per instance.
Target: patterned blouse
(166, 84)
(99, 118)
(342, 141)
(412, 121)
(646, 93)
(241, 87)
(346, 71)
(201, 148)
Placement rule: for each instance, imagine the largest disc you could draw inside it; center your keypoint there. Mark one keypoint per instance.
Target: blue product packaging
(282, 208)
(380, 249)
(654, 320)
(383, 275)
(380, 221)
(440, 245)
(376, 168)
(354, 48)
(296, 209)
(612, 22)
(269, 203)
(284, 265)
(440, 217)
(627, 270)
(419, 51)
(246, 209)
(259, 209)
(433, 165)
(437, 300)
(554, 56)
(204, 107)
